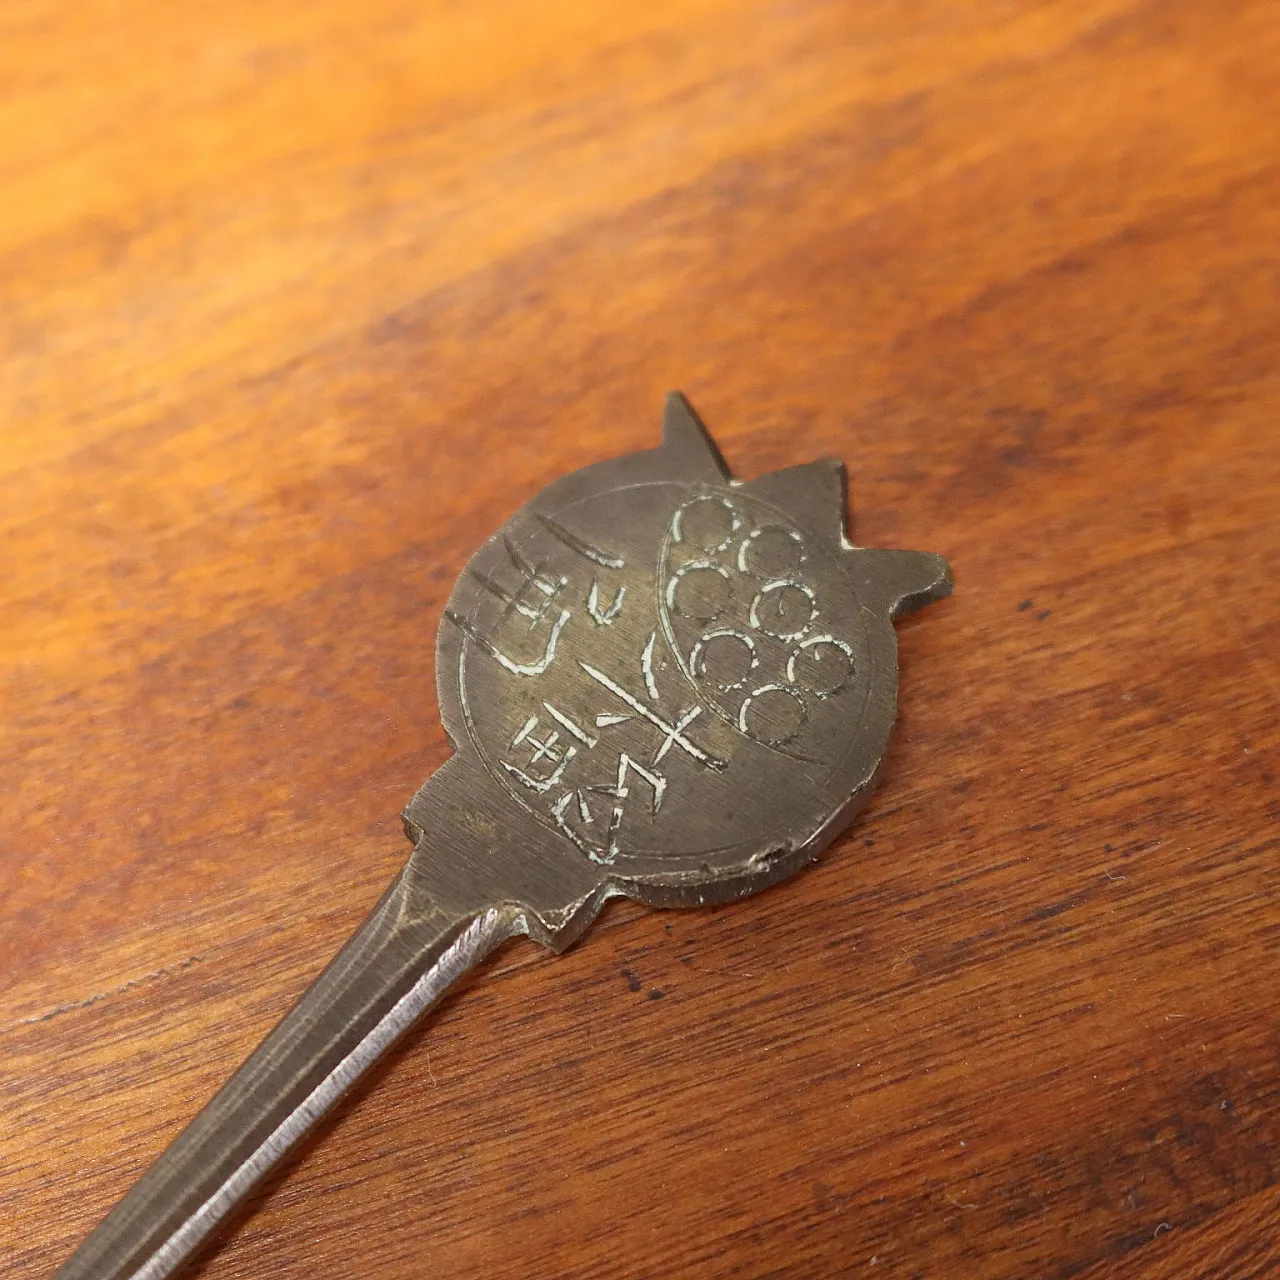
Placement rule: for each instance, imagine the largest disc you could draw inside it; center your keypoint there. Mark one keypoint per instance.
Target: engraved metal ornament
(689, 680)
(658, 682)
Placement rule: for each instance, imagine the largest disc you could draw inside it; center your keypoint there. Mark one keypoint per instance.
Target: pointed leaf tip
(813, 493)
(685, 434)
(900, 582)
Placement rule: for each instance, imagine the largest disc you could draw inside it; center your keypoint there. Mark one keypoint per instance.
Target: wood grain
(299, 302)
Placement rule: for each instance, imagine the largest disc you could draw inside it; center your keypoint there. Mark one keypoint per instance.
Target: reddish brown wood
(298, 302)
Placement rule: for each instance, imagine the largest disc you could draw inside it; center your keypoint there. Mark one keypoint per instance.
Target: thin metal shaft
(398, 963)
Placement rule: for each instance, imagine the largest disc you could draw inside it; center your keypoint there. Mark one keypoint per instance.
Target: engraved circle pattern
(786, 595)
(726, 658)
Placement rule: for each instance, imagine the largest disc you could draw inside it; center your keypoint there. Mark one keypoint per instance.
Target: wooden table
(299, 301)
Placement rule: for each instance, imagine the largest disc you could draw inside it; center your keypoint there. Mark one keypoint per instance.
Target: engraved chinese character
(537, 591)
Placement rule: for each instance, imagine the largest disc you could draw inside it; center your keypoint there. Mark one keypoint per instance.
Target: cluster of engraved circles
(747, 589)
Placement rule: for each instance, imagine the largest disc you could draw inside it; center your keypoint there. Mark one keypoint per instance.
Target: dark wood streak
(298, 303)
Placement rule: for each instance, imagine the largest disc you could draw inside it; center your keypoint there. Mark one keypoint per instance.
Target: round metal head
(686, 682)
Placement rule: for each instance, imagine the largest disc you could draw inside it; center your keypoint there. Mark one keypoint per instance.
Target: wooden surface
(299, 301)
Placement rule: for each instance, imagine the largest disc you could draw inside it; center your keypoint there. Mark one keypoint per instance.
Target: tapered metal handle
(396, 965)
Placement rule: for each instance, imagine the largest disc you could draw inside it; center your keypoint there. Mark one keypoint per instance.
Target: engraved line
(480, 937)
(546, 749)
(569, 727)
(525, 730)
(525, 566)
(516, 668)
(599, 856)
(510, 601)
(545, 785)
(531, 578)
(604, 618)
(674, 734)
(574, 543)
(655, 780)
(646, 665)
(615, 823)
